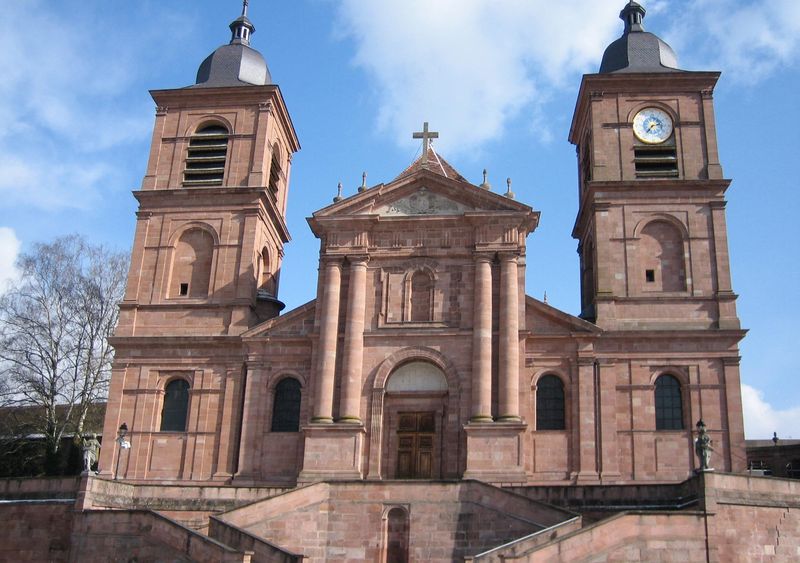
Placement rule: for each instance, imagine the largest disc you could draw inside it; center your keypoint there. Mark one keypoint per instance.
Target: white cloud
(761, 419)
(471, 66)
(60, 106)
(748, 40)
(9, 248)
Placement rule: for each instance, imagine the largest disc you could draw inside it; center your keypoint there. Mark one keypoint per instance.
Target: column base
(495, 452)
(332, 452)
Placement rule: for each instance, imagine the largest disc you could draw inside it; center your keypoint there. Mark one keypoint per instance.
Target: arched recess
(192, 262)
(662, 251)
(414, 406)
(419, 289)
(267, 280)
(395, 535)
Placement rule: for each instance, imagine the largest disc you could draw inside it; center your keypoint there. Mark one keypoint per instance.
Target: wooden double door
(416, 438)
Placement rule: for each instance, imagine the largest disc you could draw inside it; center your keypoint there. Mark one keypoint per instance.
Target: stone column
(482, 341)
(509, 339)
(350, 401)
(328, 336)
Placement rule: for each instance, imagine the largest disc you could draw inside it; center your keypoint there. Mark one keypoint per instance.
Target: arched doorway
(414, 419)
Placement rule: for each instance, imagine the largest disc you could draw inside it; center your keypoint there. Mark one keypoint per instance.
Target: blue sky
(498, 80)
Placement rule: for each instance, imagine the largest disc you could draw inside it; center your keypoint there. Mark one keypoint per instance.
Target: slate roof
(637, 50)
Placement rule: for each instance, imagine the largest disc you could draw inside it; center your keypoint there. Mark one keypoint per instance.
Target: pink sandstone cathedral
(422, 407)
(422, 357)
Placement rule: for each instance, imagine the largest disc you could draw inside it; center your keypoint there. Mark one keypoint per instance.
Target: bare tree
(54, 328)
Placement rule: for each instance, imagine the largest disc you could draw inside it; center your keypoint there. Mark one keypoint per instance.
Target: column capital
(357, 259)
(327, 261)
(483, 256)
(507, 256)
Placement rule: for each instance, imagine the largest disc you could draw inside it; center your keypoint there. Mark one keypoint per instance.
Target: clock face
(652, 126)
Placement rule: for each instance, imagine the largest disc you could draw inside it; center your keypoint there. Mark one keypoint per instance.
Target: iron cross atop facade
(426, 137)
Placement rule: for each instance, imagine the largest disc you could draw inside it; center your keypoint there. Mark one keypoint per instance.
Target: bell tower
(211, 221)
(205, 267)
(651, 223)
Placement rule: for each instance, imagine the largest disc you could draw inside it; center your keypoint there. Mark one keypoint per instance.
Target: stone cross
(426, 137)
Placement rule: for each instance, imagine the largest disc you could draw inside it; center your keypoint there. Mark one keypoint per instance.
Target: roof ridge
(440, 167)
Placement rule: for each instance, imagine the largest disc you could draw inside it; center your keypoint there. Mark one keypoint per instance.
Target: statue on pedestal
(702, 446)
(91, 449)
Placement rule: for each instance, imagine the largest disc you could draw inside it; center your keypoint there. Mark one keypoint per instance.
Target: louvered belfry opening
(205, 159)
(656, 161)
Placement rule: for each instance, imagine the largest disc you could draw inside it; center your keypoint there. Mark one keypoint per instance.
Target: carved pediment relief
(422, 202)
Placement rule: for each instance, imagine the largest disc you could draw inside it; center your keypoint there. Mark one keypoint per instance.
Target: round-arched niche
(417, 377)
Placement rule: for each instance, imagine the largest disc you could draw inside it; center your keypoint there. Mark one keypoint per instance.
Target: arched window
(176, 406)
(286, 406)
(550, 404)
(275, 171)
(421, 297)
(669, 406)
(397, 536)
(662, 257)
(191, 264)
(205, 158)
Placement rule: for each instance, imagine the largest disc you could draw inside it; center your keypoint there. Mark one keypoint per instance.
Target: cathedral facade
(421, 358)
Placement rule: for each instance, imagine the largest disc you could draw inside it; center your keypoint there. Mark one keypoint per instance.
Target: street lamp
(123, 445)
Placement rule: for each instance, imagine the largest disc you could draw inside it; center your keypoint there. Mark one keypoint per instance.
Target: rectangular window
(650, 276)
(184, 289)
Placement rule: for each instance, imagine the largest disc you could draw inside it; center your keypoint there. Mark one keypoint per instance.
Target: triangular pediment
(543, 319)
(422, 193)
(297, 322)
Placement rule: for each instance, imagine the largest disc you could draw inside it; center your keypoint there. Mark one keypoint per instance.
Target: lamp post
(122, 444)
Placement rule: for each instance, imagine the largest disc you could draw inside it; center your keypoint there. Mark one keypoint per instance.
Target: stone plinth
(333, 452)
(495, 452)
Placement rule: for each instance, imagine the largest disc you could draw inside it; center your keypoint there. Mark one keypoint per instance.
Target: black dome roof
(235, 64)
(638, 50)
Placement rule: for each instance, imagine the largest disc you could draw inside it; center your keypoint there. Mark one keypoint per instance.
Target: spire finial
(509, 194)
(633, 14)
(242, 28)
(363, 186)
(545, 296)
(339, 191)
(486, 185)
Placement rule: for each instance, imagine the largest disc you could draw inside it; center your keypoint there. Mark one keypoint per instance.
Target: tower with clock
(652, 238)
(651, 220)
